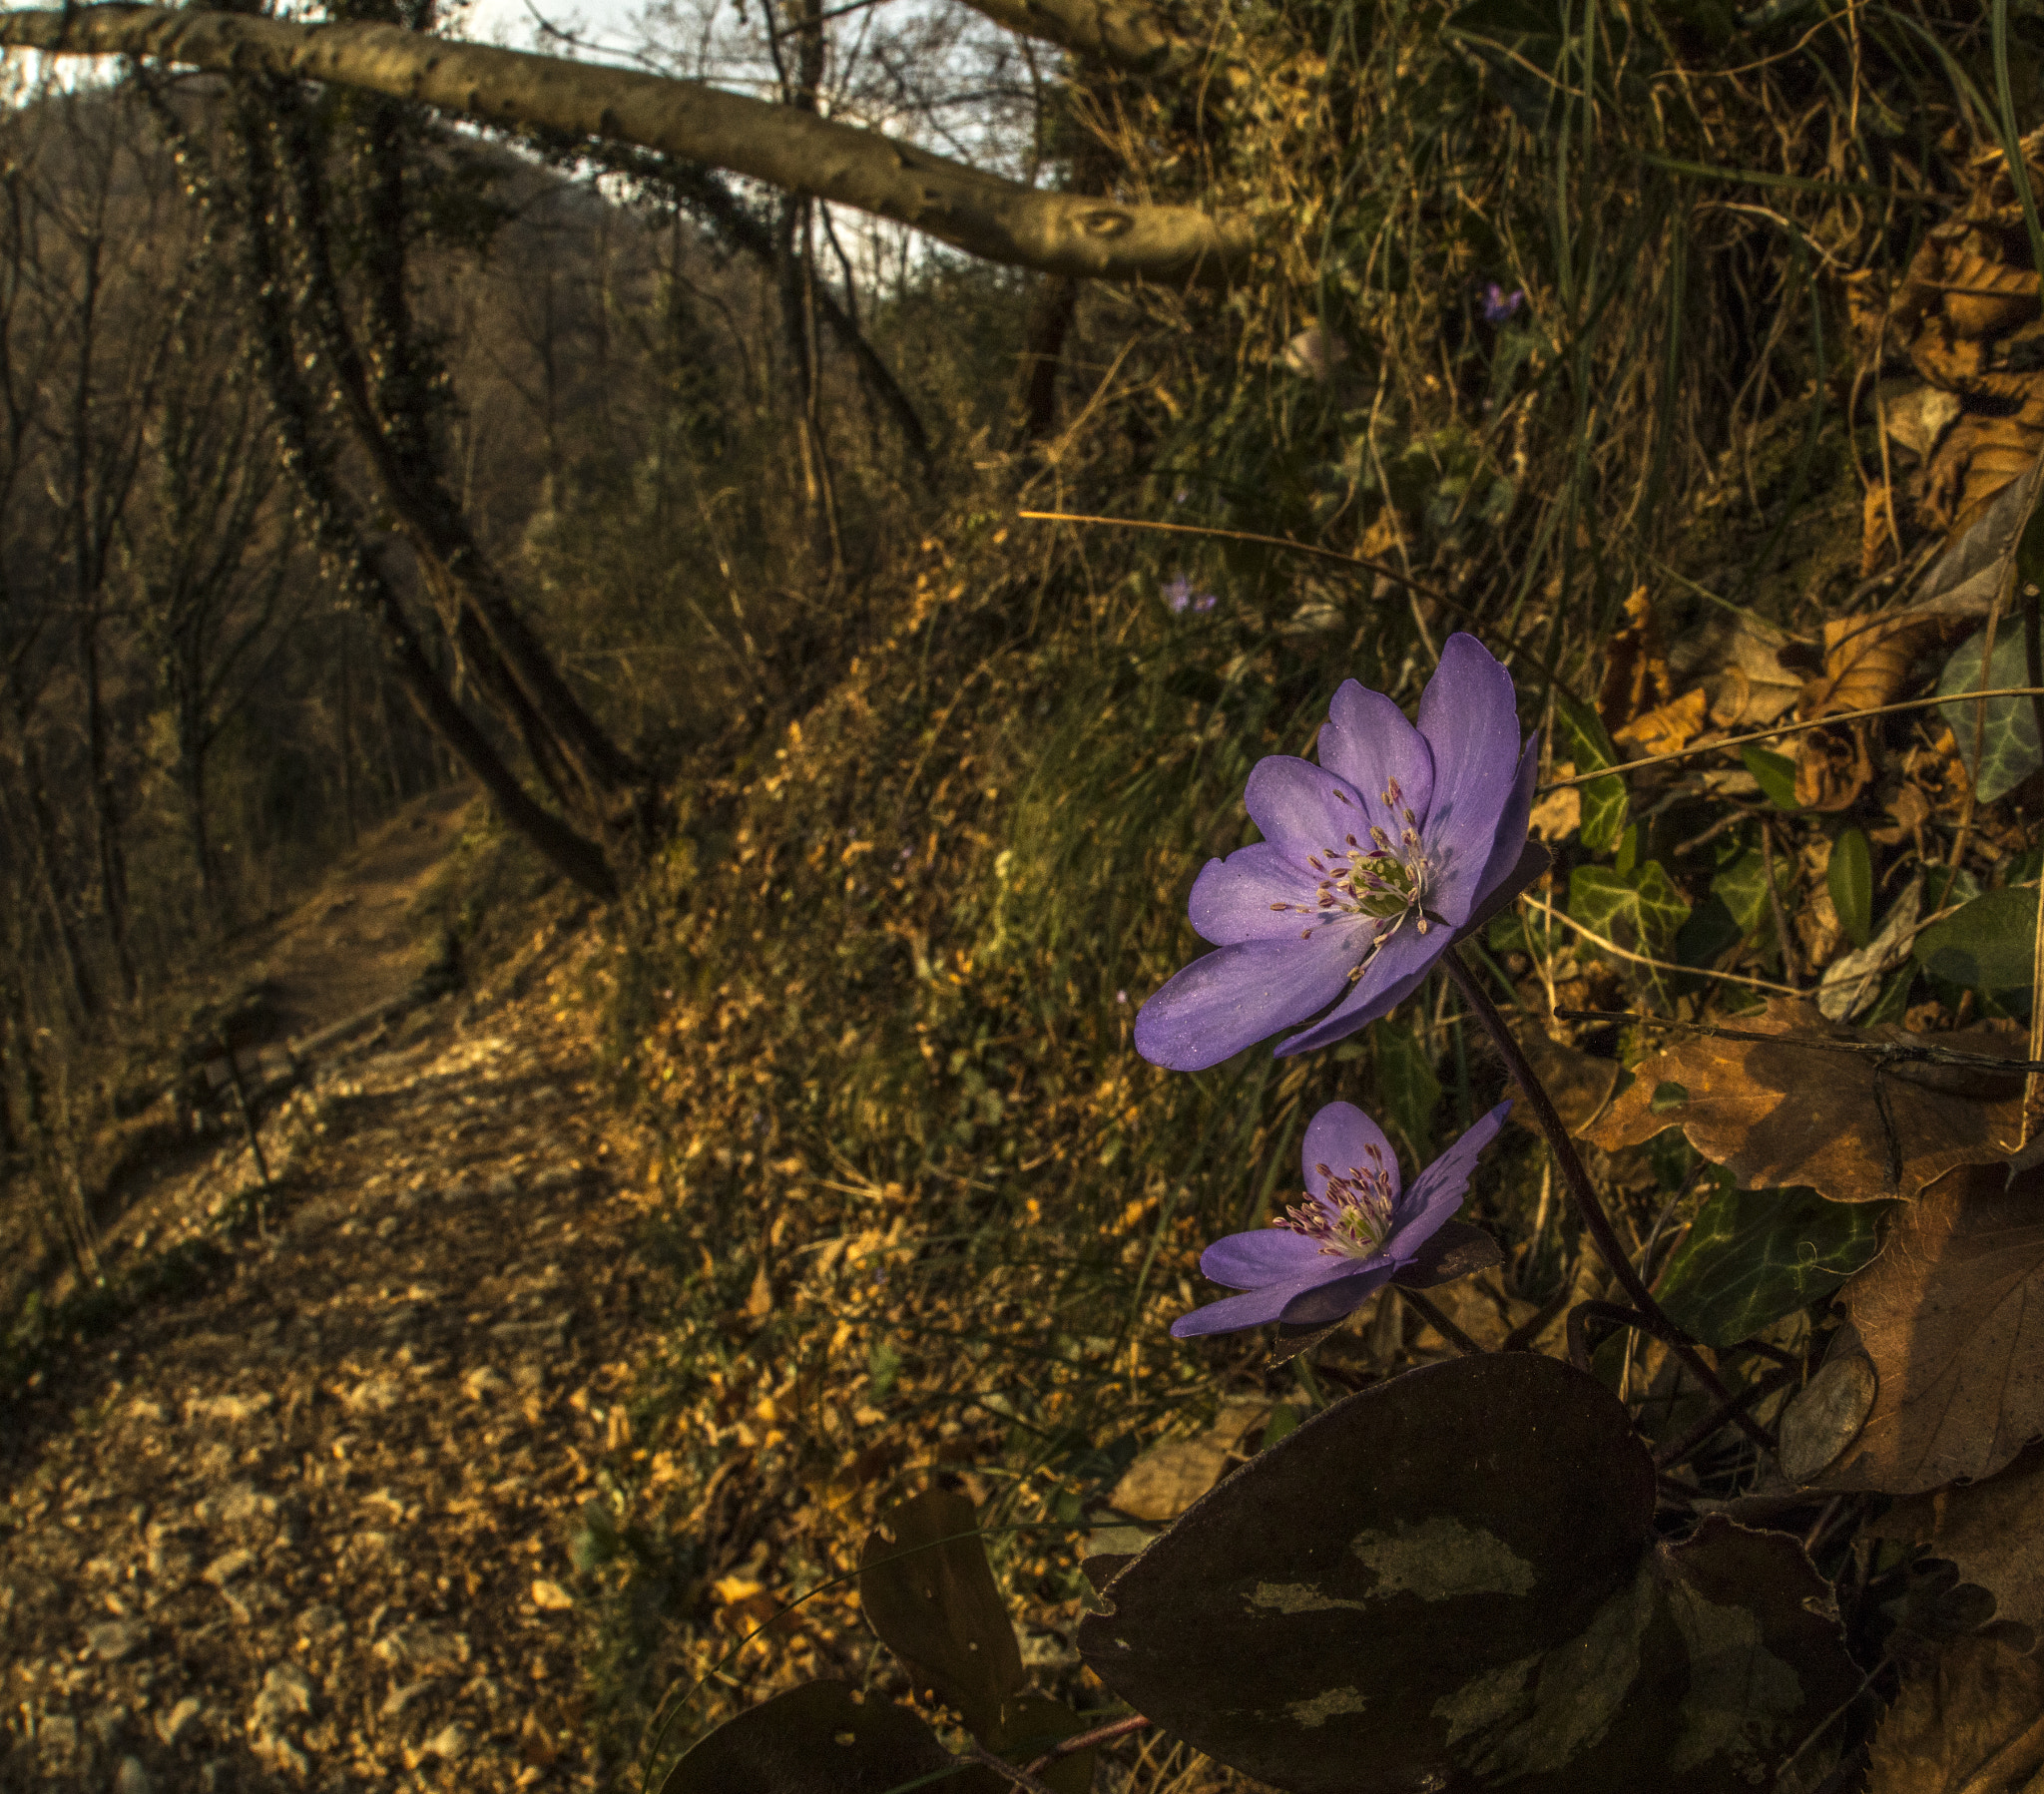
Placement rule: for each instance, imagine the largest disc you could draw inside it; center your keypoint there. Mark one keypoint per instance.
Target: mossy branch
(982, 214)
(1123, 34)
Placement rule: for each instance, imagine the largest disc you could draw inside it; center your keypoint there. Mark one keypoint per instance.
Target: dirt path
(306, 1524)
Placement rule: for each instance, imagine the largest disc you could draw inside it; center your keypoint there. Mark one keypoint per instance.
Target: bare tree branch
(1123, 34)
(997, 220)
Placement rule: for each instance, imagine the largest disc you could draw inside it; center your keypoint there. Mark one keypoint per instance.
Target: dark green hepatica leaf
(1988, 946)
(1449, 1583)
(1755, 1256)
(927, 1589)
(820, 1739)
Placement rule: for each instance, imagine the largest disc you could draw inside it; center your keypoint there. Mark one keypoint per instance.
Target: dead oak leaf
(1667, 727)
(1786, 1110)
(1868, 660)
(1971, 1713)
(1993, 1531)
(1952, 1316)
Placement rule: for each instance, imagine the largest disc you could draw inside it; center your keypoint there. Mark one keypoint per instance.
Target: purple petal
(1255, 1308)
(1339, 1137)
(1512, 824)
(1241, 995)
(1325, 1303)
(1367, 742)
(1293, 802)
(1265, 1255)
(1398, 970)
(1470, 719)
(1233, 899)
(1437, 1191)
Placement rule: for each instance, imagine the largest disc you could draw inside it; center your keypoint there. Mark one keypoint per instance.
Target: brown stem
(1078, 1741)
(1595, 1221)
(1789, 974)
(1435, 1318)
(1678, 1450)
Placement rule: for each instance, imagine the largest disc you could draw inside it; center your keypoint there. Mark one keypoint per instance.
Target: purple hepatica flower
(1370, 864)
(1354, 1233)
(1178, 594)
(1499, 306)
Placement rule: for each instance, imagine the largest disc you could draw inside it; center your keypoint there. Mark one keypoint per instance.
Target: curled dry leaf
(1634, 667)
(1667, 726)
(1786, 1110)
(1169, 1478)
(1972, 1712)
(1952, 1316)
(1993, 1531)
(1867, 660)
(1578, 1084)
(1833, 767)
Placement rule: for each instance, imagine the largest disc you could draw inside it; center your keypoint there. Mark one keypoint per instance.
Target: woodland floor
(304, 1521)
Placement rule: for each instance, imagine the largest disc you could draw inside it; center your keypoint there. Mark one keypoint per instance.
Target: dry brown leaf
(1916, 416)
(1972, 1711)
(1993, 1531)
(1560, 813)
(1743, 675)
(1984, 299)
(1578, 1083)
(1868, 660)
(1952, 1316)
(1634, 667)
(1169, 1478)
(1667, 726)
(1977, 462)
(1779, 1113)
(1833, 767)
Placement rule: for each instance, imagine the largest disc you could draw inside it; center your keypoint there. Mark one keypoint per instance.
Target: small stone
(228, 1564)
(417, 1645)
(250, 1601)
(114, 1641)
(320, 1621)
(171, 1726)
(238, 1504)
(485, 1380)
(551, 1596)
(57, 1737)
(286, 1694)
(131, 1778)
(452, 1741)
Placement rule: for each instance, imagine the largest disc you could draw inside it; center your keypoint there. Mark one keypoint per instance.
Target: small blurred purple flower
(1181, 495)
(1499, 306)
(1351, 1235)
(1121, 995)
(1180, 596)
(1371, 861)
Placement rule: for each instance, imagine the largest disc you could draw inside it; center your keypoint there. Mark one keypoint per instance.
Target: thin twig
(1078, 1741)
(1661, 965)
(1678, 1450)
(1588, 1204)
(1020, 1778)
(1785, 728)
(1789, 969)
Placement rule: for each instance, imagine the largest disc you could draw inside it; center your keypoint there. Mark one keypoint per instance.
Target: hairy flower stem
(1078, 1741)
(1595, 1221)
(1439, 1322)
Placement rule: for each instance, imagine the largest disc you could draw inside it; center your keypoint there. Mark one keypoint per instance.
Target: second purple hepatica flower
(1356, 1230)
(1370, 864)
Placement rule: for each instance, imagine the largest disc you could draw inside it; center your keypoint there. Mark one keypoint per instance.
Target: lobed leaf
(1752, 1256)
(1786, 1112)
(2007, 734)
(1640, 909)
(1992, 1530)
(1412, 1590)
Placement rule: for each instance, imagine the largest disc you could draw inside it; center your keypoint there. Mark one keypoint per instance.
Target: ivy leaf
(818, 1739)
(1988, 946)
(1640, 909)
(1774, 773)
(1755, 1256)
(1851, 879)
(1410, 1590)
(1590, 747)
(2009, 747)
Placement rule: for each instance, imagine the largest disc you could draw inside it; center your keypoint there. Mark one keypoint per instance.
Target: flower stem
(1439, 1322)
(1595, 1221)
(1078, 1741)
